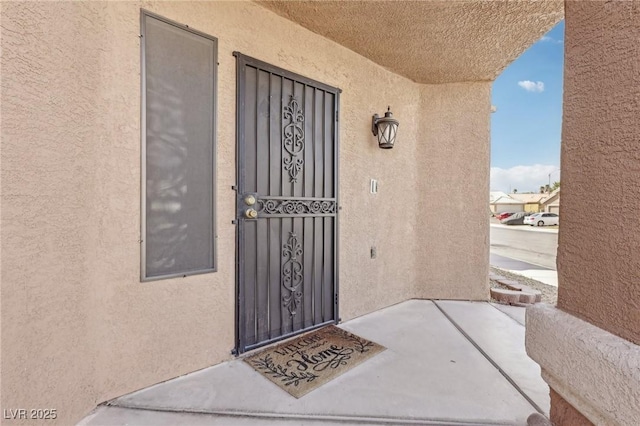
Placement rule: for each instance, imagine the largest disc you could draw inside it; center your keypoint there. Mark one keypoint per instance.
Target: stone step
(536, 293)
(516, 286)
(505, 296)
(513, 297)
(508, 282)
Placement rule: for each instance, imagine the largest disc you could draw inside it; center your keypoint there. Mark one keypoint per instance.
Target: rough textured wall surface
(594, 370)
(563, 413)
(599, 254)
(429, 41)
(79, 327)
(453, 168)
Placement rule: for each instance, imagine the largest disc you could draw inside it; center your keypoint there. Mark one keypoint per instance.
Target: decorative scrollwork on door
(268, 206)
(292, 274)
(293, 138)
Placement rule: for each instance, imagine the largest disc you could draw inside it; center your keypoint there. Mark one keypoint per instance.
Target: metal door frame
(241, 62)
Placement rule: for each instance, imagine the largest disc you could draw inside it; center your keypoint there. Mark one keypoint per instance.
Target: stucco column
(587, 346)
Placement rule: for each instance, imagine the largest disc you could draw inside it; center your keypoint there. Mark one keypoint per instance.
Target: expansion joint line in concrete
(488, 358)
(312, 417)
(507, 315)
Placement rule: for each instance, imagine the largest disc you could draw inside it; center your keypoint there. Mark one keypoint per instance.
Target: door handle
(250, 213)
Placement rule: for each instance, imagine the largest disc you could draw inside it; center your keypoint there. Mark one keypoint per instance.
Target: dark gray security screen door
(286, 205)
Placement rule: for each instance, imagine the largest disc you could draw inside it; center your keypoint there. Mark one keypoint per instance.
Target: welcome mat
(305, 363)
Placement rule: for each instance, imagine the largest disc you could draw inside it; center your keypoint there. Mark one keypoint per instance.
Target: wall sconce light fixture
(385, 129)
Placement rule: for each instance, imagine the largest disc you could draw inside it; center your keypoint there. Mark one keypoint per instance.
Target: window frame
(143, 151)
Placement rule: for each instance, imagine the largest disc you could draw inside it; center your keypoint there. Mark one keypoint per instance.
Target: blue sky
(525, 129)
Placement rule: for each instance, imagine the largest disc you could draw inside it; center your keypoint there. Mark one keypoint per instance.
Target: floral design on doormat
(283, 374)
(361, 345)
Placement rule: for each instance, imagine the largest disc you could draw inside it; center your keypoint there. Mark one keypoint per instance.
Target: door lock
(247, 205)
(250, 214)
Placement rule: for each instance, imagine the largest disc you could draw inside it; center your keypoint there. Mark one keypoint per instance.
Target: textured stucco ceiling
(436, 41)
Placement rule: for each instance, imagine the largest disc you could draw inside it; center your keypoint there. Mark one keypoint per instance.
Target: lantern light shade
(385, 129)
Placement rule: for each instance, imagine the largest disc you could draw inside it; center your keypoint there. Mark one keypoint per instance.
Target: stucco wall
(453, 164)
(599, 254)
(564, 413)
(590, 368)
(78, 326)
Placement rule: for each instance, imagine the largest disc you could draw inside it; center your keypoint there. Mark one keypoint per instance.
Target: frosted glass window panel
(179, 102)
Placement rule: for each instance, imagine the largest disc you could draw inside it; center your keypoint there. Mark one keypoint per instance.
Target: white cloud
(532, 86)
(548, 39)
(523, 178)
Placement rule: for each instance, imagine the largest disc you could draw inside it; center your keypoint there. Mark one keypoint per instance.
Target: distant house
(551, 203)
(494, 195)
(532, 202)
(500, 202)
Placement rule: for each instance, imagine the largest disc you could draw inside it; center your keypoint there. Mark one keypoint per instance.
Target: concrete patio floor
(447, 362)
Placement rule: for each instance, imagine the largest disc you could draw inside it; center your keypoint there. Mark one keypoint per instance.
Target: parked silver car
(542, 219)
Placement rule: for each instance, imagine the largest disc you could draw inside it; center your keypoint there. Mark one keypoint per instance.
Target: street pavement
(524, 250)
(535, 272)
